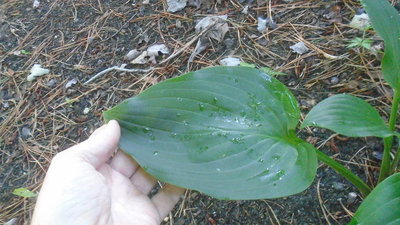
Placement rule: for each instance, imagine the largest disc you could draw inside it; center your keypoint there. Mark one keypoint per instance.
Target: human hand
(84, 187)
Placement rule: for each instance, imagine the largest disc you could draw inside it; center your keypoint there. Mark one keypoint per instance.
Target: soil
(77, 39)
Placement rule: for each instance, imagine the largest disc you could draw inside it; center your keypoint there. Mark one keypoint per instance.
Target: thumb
(100, 146)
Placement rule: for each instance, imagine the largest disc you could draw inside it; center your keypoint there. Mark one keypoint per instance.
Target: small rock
(176, 5)
(178, 24)
(146, 2)
(132, 54)
(51, 83)
(334, 80)
(261, 24)
(338, 186)
(246, 10)
(71, 83)
(230, 61)
(299, 48)
(36, 4)
(26, 132)
(351, 198)
(86, 110)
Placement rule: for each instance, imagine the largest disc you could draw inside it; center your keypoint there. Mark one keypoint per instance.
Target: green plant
(230, 132)
(24, 192)
(360, 42)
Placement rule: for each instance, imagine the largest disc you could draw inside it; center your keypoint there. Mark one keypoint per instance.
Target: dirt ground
(77, 39)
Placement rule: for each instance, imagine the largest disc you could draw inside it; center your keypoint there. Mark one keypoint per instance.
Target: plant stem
(395, 108)
(385, 165)
(388, 142)
(346, 173)
(395, 161)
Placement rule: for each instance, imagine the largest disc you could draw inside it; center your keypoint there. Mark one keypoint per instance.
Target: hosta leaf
(347, 115)
(386, 21)
(382, 205)
(224, 131)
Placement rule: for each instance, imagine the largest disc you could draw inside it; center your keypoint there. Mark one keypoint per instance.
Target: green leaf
(225, 131)
(382, 205)
(347, 115)
(245, 64)
(386, 21)
(359, 42)
(25, 52)
(272, 72)
(24, 192)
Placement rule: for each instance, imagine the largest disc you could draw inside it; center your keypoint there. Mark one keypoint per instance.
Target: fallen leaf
(218, 24)
(230, 61)
(154, 50)
(202, 44)
(264, 23)
(150, 54)
(361, 21)
(24, 192)
(299, 48)
(141, 59)
(37, 71)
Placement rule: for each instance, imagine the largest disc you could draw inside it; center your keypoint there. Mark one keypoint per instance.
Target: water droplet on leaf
(215, 100)
(280, 174)
(276, 157)
(201, 106)
(237, 140)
